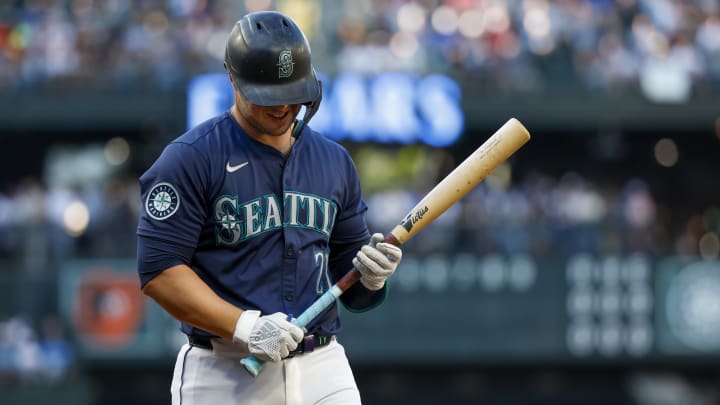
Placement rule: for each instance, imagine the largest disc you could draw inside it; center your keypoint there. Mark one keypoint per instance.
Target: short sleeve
(174, 210)
(350, 225)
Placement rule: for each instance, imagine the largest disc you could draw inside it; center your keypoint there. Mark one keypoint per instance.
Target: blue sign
(391, 107)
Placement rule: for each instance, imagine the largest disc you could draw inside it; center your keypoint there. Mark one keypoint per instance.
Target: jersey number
(321, 264)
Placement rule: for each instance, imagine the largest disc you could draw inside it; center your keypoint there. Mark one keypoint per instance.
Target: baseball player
(247, 219)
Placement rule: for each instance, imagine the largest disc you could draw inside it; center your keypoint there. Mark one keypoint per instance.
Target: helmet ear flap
(230, 76)
(312, 107)
(228, 72)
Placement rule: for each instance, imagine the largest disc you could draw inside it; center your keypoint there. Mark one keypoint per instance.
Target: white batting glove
(269, 337)
(377, 261)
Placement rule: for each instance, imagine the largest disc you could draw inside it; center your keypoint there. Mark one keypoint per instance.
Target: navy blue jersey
(256, 226)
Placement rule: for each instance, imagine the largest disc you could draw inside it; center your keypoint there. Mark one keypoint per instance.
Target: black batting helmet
(268, 57)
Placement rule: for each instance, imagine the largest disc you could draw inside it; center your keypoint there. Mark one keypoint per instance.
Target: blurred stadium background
(583, 271)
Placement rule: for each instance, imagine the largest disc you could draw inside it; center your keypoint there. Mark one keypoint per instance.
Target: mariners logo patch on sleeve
(162, 201)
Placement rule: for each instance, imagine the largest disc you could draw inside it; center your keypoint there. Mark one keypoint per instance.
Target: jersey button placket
(288, 277)
(290, 253)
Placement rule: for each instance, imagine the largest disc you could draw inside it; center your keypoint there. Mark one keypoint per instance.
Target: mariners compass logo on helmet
(162, 201)
(285, 64)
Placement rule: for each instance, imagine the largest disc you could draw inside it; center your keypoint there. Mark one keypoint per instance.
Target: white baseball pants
(322, 376)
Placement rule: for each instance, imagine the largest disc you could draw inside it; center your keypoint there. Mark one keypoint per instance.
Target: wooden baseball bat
(498, 148)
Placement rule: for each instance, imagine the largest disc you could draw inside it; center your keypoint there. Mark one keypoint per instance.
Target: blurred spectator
(26, 357)
(56, 351)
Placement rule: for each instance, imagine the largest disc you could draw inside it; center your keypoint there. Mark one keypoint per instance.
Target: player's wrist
(244, 326)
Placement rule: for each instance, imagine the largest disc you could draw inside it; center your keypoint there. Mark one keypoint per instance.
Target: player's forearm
(187, 298)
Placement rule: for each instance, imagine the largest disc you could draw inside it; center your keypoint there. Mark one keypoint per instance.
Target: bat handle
(253, 365)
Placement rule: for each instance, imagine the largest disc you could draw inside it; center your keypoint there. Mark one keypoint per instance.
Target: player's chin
(277, 126)
(284, 116)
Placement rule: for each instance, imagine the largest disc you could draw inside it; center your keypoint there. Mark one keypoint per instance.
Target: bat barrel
(493, 152)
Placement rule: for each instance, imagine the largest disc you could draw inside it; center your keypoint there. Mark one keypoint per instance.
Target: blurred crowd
(539, 214)
(37, 230)
(545, 216)
(666, 48)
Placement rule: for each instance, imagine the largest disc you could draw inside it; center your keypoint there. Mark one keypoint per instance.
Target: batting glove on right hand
(270, 337)
(377, 261)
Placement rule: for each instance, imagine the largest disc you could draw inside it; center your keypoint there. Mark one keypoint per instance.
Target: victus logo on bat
(413, 218)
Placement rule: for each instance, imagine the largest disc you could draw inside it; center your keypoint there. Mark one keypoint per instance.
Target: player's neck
(282, 143)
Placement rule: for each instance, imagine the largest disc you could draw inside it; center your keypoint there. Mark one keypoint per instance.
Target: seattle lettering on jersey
(238, 222)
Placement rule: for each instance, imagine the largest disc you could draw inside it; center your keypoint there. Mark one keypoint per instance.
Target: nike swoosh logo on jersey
(233, 169)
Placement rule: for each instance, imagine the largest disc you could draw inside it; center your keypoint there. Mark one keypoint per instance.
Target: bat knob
(252, 365)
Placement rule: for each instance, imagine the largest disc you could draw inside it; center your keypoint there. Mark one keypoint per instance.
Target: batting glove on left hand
(269, 337)
(377, 261)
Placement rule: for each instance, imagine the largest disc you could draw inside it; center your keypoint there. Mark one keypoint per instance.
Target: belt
(307, 345)
(203, 342)
(310, 343)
